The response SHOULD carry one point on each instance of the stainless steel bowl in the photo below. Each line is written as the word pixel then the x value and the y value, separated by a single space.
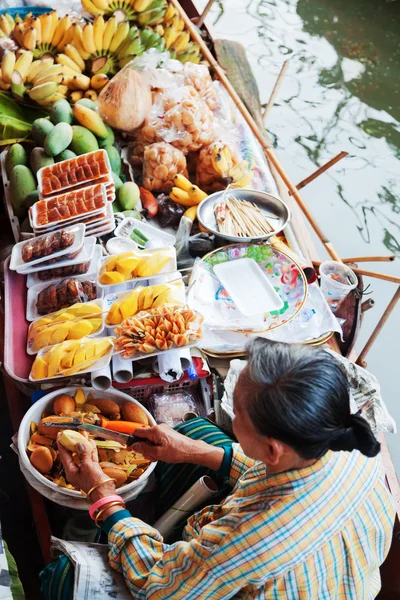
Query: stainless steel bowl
pixel 276 211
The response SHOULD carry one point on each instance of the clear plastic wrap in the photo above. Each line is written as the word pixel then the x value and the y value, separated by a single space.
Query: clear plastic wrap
pixel 171 408
pixel 161 162
pixel 218 166
pixel 198 76
pixel 158 330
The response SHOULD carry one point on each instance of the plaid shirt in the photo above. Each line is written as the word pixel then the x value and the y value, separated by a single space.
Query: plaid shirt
pixel 312 534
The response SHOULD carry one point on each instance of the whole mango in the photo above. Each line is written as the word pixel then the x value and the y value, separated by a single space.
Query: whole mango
pixel 16 155
pixel 22 183
pixel 58 139
pixel 61 112
pixel 83 140
pixel 40 129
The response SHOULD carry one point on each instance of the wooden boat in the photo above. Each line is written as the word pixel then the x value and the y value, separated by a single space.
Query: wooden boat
pixel 19 402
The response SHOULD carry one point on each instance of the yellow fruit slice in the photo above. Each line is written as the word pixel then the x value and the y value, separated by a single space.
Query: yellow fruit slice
pixel 39 369
pixel 80 356
pixel 43 338
pixel 80 329
pixel 152 264
pixel 60 333
pixel 102 346
pixel 129 307
pixel 164 298
pixel 126 266
pixel 55 360
pixel 111 263
pixel 89 352
pixel 111 278
pixel 87 309
pixel 95 323
pixel 80 397
pixel 64 316
pixel 148 298
pixel 114 316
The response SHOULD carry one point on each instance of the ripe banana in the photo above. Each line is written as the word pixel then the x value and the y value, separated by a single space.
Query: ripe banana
pixel 37 66
pixel 66 38
pixel 19 34
pixel 170 36
pixel 63 59
pixel 53 25
pixel 62 26
pixel 30 38
pixel 141 5
pixel 46 22
pixel 73 53
pixel 5 25
pixel 46 71
pixel 101 4
pixel 75 96
pixel 151 17
pixel 7 66
pixel 81 82
pixel 180 195
pixel 23 63
pixel 90 119
pixel 79 44
pixel 91 8
pixel 88 39
pixel 181 42
pixel 56 77
pixel 51 99
pixel 91 94
pixel 183 183
pixel 119 36
pixel 110 29
pixel 170 13
pixel 43 91
pixel 221 159
pixel 10 20
pixel 197 195
pixel 98 81
pixel 98 32
pixel 36 24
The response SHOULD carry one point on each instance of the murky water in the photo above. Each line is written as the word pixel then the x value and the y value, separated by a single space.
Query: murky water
pixel 341 92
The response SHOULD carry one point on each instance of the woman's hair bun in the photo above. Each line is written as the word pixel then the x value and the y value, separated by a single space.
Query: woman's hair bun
pixel 356 434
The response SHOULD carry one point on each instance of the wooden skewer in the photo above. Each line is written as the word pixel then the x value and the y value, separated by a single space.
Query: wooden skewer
pixel 275 91
pixel 321 170
pixel 374 274
pixel 389 309
pixel 358 259
pixel 204 14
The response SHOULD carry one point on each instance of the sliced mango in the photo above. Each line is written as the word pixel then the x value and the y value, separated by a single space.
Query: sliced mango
pixel 39 369
pixel 111 278
pixel 90 351
pixel 68 359
pixel 87 309
pixel 148 298
pixel 114 316
pixel 55 360
pixel 80 329
pixel 95 323
pixel 60 333
pixel 127 266
pixel 152 264
pixel 164 298
pixel 43 338
pixel 80 397
pixel 102 346
pixel 64 316
pixel 111 263
pixel 80 356
pixel 129 306
pixel 159 289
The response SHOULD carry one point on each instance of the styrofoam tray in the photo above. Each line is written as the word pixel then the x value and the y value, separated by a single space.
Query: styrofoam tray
pixel 34 291
pixel 170 267
pixel 97 302
pixel 85 255
pixel 104 230
pixel 248 287
pixel 81 184
pixel 94 265
pixel 126 227
pixel 61 222
pixel 108 215
pixel 19 265
pixel 101 363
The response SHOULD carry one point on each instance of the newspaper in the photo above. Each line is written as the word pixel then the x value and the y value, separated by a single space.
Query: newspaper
pixel 94 578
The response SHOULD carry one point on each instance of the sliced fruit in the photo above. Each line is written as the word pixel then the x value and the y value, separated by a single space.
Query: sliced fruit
pixel 129 307
pixel 111 278
pixel 127 266
pixel 80 329
pixel 39 369
pixel 54 360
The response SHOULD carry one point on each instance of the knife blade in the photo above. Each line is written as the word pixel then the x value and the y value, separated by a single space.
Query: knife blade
pixel 106 434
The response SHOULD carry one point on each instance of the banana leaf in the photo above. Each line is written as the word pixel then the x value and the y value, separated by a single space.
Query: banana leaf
pixel 16 119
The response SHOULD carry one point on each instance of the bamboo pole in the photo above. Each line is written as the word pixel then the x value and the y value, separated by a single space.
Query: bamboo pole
pixel 251 123
pixel 374 274
pixel 389 309
pixel 321 170
pixel 274 92
pixel 204 14
pixel 358 259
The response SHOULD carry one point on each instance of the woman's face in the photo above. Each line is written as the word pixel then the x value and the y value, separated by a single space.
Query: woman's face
pixel 252 442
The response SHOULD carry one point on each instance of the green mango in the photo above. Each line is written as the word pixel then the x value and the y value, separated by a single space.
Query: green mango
pixel 115 159
pixel 117 181
pixel 64 155
pixel 58 139
pixel 40 129
pixel 116 207
pixel 88 103
pixel 128 195
pixel 16 155
pixel 61 112
pixel 83 140
pixel 109 140
pixel 31 198
pixel 39 159
pixel 22 183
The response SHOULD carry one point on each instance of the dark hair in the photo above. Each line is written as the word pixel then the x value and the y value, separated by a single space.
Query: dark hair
pixel 300 396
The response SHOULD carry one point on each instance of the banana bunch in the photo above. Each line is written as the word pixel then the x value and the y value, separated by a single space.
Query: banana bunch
pixel 40 80
pixel 145 12
pixel 177 41
pixel 185 193
pixel 7 24
pixel 45 34
pixel 218 167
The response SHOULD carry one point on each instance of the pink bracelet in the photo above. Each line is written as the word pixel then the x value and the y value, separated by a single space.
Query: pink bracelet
pixel 102 502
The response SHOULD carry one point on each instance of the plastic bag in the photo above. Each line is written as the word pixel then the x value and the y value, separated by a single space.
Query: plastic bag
pixel 171 408
pixel 161 162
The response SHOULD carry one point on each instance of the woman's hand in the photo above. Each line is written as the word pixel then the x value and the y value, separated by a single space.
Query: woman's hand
pixel 164 443
pixel 87 473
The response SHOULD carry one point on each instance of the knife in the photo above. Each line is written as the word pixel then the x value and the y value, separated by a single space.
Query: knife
pixel 106 434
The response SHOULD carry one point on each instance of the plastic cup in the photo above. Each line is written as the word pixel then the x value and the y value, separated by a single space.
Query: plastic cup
pixel 336 281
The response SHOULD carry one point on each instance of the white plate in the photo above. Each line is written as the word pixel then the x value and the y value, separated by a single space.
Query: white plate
pixel 19 265
pixel 170 267
pixel 248 287
pixel 101 363
pixel 81 184
pixel 119 245
pixel 94 265
pixel 60 223
pixel 126 227
pixel 34 291
pixel 85 255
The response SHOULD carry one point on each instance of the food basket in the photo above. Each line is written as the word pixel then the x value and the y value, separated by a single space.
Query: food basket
pixel 50 490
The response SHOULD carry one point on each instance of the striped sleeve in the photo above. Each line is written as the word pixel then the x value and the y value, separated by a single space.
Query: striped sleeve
pixel 239 465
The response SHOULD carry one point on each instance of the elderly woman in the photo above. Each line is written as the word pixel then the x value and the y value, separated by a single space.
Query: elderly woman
pixel 309 515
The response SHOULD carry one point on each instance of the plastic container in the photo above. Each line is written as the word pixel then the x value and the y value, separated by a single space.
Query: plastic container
pixel 126 227
pixel 65 496
pixel 85 254
pixel 336 281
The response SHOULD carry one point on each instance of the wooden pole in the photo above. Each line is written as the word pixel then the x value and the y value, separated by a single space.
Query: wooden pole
pixel 358 259
pixel 251 123
pixel 275 91
pixel 389 309
pixel 374 274
pixel 321 170
pixel 204 14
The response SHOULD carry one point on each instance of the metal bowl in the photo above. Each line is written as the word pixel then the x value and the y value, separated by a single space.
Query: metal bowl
pixel 276 211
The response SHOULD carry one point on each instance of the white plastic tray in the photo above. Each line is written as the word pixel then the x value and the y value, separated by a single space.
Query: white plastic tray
pixel 126 227
pixel 61 222
pixel 81 184
pixel 85 255
pixel 34 291
pixel 104 231
pixel 91 273
pixel 101 363
pixel 22 267
pixel 248 286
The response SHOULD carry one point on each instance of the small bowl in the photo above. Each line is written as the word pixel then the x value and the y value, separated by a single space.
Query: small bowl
pixel 277 212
